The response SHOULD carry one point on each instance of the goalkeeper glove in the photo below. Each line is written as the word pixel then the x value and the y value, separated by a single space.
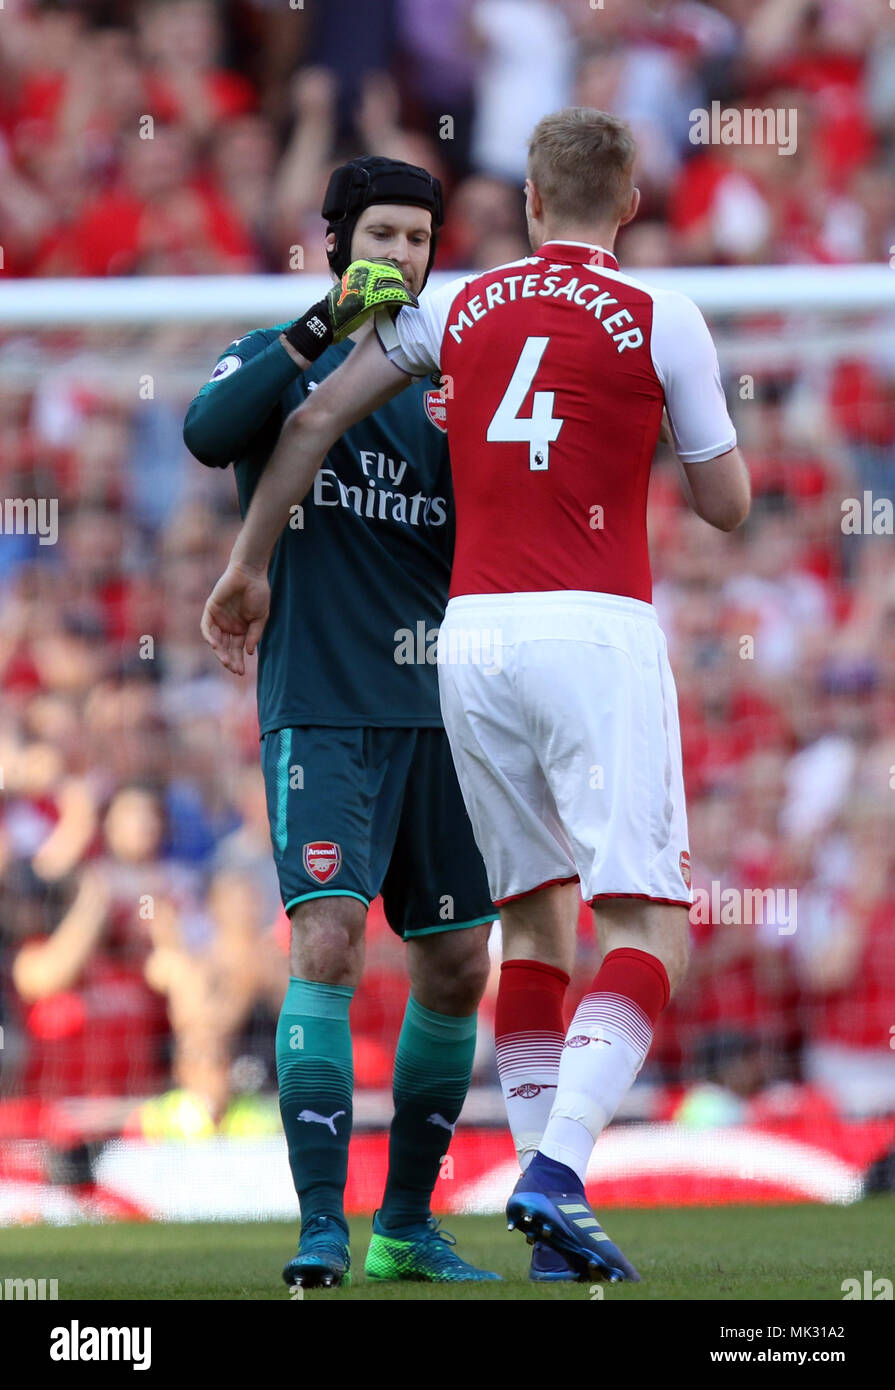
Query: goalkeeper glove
pixel 365 287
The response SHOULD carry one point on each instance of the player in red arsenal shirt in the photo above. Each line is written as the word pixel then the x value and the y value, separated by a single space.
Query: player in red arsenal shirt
pixel 555 686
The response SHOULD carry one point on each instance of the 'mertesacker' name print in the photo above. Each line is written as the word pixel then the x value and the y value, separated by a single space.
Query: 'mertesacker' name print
pixel 537 285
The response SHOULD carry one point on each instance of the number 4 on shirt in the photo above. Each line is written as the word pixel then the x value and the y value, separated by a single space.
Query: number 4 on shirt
pixel 539 429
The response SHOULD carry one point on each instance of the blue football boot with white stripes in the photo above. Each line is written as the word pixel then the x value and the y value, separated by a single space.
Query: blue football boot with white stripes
pixel 548 1204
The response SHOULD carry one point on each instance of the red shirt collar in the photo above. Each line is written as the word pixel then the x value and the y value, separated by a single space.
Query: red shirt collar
pixel 576 253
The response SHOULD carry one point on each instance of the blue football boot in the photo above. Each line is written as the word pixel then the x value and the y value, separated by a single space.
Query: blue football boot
pixel 323 1261
pixel 548 1204
pixel 549 1267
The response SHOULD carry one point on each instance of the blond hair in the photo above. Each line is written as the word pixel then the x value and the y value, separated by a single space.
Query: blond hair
pixel 581 160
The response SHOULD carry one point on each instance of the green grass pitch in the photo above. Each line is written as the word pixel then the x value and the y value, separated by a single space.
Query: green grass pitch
pixel 756 1253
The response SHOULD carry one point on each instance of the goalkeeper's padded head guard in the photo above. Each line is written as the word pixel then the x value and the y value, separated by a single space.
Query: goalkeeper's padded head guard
pixel 373 179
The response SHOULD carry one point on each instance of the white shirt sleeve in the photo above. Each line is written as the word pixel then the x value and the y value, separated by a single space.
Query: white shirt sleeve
pixel 413 338
pixel 686 363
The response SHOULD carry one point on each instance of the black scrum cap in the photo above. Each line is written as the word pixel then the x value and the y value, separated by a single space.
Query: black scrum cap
pixel 373 179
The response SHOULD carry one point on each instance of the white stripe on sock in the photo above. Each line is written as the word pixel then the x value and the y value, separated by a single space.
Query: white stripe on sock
pixel 605 1047
pixel 619 1016
pixel 528 1062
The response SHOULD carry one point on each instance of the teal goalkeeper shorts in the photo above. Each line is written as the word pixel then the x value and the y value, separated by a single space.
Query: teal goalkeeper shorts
pixel 357 812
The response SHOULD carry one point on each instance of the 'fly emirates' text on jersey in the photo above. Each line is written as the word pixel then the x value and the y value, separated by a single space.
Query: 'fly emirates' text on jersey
pixel 556 371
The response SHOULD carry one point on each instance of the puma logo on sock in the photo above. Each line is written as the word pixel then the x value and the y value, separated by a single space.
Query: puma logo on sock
pixel 441 1122
pixel 312 1118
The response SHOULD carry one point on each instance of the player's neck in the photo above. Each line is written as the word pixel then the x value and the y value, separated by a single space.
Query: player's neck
pixel 588 236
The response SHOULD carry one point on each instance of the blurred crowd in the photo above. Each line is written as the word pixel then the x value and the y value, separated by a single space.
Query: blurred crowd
pixel 185 136
pixel 142 942
pixel 141 936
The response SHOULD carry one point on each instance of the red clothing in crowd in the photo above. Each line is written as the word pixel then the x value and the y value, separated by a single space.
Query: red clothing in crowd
pixel 861 1012
pixel 116 230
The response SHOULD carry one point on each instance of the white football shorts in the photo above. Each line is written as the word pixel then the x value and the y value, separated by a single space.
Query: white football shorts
pixel 561 712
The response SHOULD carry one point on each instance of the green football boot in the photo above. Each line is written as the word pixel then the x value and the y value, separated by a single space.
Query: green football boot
pixel 323 1261
pixel 423 1254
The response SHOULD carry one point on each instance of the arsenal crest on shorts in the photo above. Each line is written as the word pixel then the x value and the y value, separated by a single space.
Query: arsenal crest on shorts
pixel 436 409
pixel 685 866
pixel 323 859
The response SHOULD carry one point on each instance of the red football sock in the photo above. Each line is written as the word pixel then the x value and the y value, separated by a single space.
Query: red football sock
pixel 636 975
pixel 607 1044
pixel 529 1033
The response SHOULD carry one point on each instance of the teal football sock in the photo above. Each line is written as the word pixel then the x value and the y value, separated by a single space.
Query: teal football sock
pixel 316 1082
pixel 433 1067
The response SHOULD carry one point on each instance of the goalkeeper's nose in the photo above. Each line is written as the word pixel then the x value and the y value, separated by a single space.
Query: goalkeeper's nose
pixel 400 255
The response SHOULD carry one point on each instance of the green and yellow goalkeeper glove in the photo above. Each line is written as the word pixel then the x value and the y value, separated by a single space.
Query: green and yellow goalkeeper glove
pixel 365 287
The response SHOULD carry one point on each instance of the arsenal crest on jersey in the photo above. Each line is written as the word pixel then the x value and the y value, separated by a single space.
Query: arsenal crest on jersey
pixel 323 859
pixel 685 867
pixel 436 409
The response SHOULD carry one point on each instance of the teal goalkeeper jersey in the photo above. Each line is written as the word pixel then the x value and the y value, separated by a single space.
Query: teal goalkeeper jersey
pixel 359 580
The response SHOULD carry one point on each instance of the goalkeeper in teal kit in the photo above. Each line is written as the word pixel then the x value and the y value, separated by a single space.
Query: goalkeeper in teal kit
pixel 361 790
